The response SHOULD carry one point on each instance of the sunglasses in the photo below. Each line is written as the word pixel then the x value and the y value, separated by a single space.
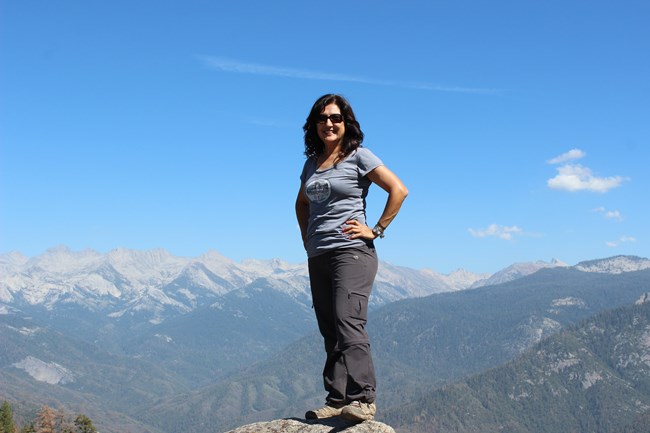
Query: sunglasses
pixel 335 118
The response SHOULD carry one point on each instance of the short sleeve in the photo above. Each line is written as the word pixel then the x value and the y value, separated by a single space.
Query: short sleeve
pixel 305 169
pixel 367 161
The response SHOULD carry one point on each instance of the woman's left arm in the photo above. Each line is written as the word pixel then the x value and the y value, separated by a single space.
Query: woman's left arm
pixel 397 192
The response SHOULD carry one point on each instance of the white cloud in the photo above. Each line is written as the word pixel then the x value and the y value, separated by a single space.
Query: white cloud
pixel 621 240
pixel 575 177
pixel 609 214
pixel 501 232
pixel 568 156
pixel 236 66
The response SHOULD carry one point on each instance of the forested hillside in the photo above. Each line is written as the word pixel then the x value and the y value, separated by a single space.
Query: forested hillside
pixel 594 377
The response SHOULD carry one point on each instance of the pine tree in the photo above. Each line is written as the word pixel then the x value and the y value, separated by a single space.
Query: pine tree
pixel 7 419
pixel 62 422
pixel 84 424
pixel 45 420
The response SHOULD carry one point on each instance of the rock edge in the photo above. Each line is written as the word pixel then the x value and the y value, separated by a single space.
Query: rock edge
pixel 329 425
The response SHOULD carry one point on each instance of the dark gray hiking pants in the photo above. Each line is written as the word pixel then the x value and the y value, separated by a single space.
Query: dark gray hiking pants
pixel 341 282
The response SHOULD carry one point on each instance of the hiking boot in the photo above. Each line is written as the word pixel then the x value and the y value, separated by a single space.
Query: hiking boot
pixel 359 411
pixel 328 411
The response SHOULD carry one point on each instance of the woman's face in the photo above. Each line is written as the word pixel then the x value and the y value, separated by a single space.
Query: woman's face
pixel 329 131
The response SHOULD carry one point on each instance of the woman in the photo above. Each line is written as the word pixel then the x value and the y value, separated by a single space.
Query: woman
pixel 331 212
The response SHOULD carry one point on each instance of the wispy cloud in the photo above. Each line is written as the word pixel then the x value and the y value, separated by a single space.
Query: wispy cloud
pixel 495 230
pixel 235 66
pixel 609 214
pixel 576 177
pixel 622 239
pixel 568 156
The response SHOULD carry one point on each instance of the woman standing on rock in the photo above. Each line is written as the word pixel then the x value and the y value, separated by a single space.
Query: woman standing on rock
pixel 331 212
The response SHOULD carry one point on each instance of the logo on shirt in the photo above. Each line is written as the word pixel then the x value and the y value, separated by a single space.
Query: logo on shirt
pixel 318 191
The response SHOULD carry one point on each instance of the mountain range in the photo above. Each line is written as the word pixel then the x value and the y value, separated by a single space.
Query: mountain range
pixel 181 312
pixel 151 342
pixel 418 345
pixel 155 284
pixel 593 376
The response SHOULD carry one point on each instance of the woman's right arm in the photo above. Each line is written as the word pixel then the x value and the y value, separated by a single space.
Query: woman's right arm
pixel 302 213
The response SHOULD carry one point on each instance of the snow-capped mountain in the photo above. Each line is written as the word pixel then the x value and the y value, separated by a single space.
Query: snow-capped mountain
pixel 159 284
pixel 11 262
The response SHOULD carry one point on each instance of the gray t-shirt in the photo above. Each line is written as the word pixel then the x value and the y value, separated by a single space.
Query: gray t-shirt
pixel 336 195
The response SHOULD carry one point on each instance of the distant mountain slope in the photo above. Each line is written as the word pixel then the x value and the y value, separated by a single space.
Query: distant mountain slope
pixel 44 367
pixel 591 377
pixel 610 265
pixel 458 333
pixel 515 271
pixel 418 345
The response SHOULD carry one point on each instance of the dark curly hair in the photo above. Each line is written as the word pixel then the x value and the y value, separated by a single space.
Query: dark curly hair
pixel 353 135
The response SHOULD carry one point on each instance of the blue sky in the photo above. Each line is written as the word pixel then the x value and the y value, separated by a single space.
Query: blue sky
pixel 521 128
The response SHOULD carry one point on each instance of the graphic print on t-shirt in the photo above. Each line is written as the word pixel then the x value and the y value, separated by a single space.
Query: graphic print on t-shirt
pixel 318 191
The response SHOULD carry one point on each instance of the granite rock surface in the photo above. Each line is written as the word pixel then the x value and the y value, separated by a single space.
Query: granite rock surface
pixel 330 425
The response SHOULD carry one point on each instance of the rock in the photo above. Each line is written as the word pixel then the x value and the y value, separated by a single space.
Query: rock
pixel 329 425
pixel 643 299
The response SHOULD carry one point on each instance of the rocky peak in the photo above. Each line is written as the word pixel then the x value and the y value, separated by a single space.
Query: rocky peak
pixel 295 425
pixel 462 279
pixel 614 265
pixel 516 271
pixel 643 299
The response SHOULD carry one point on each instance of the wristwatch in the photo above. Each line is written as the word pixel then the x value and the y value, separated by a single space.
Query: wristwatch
pixel 378 231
